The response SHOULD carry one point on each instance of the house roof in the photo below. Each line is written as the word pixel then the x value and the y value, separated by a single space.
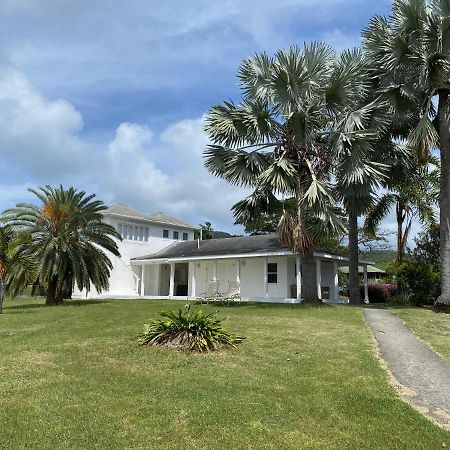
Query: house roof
pixel 124 211
pixel 218 247
pixel 370 269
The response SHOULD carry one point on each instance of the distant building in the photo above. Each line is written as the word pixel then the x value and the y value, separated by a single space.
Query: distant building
pixel 373 273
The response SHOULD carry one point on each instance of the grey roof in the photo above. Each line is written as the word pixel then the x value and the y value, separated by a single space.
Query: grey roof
pixel 121 210
pixel 370 269
pixel 215 247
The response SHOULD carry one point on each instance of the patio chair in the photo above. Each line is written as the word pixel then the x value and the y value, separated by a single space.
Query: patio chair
pixel 212 292
pixel 233 292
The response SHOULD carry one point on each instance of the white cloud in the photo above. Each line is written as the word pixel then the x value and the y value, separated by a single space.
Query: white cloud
pixel 40 144
pixel 36 135
pixel 340 40
pixel 166 173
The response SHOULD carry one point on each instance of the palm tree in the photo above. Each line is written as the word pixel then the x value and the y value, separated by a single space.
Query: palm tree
pixel 67 239
pixel 411 52
pixel 301 123
pixel 6 239
pixel 12 262
pixel 413 196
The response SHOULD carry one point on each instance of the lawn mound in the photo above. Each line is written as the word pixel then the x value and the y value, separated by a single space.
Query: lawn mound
pixel 188 330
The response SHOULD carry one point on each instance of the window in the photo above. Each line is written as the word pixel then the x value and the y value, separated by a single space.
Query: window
pixel 165 233
pixel 176 235
pixel 133 233
pixel 272 273
pixel 185 236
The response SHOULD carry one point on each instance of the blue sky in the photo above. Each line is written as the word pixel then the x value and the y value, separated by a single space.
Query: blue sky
pixel 109 95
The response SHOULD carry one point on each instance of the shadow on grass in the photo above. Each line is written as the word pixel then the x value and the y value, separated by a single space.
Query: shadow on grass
pixel 67 303
pixel 264 305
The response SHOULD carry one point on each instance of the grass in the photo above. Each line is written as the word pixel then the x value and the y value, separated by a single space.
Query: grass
pixel 429 326
pixel 74 377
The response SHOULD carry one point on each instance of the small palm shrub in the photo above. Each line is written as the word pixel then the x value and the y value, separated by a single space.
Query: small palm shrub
pixel 189 330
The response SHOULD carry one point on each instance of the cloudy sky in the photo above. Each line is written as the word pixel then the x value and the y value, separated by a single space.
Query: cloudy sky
pixel 108 95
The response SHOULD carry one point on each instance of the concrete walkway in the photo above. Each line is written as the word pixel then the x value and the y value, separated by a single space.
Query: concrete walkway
pixel 423 375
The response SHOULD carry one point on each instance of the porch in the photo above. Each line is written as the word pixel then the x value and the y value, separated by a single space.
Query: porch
pixel 280 278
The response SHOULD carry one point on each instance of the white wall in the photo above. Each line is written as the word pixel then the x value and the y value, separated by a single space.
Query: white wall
pixel 122 282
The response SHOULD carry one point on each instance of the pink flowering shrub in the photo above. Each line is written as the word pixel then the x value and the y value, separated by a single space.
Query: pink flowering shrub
pixel 389 288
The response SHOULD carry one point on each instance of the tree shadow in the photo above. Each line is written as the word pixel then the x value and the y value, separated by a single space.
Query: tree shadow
pixel 67 303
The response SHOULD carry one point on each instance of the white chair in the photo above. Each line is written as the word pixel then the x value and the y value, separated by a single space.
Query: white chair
pixel 233 292
pixel 212 292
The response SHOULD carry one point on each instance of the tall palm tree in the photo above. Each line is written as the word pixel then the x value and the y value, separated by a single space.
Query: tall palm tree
pixel 415 195
pixel 411 52
pixel 67 238
pixel 301 123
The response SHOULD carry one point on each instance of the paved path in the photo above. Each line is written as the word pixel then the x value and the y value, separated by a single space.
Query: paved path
pixel 424 376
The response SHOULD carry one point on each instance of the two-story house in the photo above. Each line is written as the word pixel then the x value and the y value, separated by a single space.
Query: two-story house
pixel 160 259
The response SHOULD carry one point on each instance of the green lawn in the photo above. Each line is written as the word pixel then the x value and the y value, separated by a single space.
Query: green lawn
pixel 429 326
pixel 73 377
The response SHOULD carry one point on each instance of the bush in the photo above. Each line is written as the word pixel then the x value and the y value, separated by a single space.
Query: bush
pixel 192 331
pixel 379 293
pixel 421 281
pixel 401 298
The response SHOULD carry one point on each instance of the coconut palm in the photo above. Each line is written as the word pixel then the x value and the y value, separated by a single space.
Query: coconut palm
pixel 68 240
pixel 411 52
pixel 415 195
pixel 301 123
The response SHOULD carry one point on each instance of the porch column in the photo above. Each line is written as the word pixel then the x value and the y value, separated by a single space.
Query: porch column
pixel 298 277
pixel 215 270
pixel 336 281
pixel 366 285
pixel 193 274
pixel 238 275
pixel 172 279
pixel 319 278
pixel 143 280
pixel 266 284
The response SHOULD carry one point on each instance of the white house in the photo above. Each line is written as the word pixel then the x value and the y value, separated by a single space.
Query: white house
pixel 161 260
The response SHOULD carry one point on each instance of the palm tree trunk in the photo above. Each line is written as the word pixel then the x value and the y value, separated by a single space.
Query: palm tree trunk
pixel 54 296
pixel 2 295
pixel 443 302
pixel 400 247
pixel 353 269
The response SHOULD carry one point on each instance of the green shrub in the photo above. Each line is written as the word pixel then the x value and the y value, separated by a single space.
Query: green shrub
pixel 401 298
pixel 421 281
pixel 189 330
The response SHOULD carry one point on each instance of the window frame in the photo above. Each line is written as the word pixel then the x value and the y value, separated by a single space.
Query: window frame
pixel 272 273
pixel 185 236
pixel 177 234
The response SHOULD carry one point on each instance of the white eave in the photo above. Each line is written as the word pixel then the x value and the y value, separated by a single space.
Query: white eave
pixel 325 255
pixel 321 255
pixel 159 222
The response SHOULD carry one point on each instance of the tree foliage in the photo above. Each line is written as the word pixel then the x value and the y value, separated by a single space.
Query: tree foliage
pixel 65 241
pixel 303 122
pixel 410 55
pixel 413 194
